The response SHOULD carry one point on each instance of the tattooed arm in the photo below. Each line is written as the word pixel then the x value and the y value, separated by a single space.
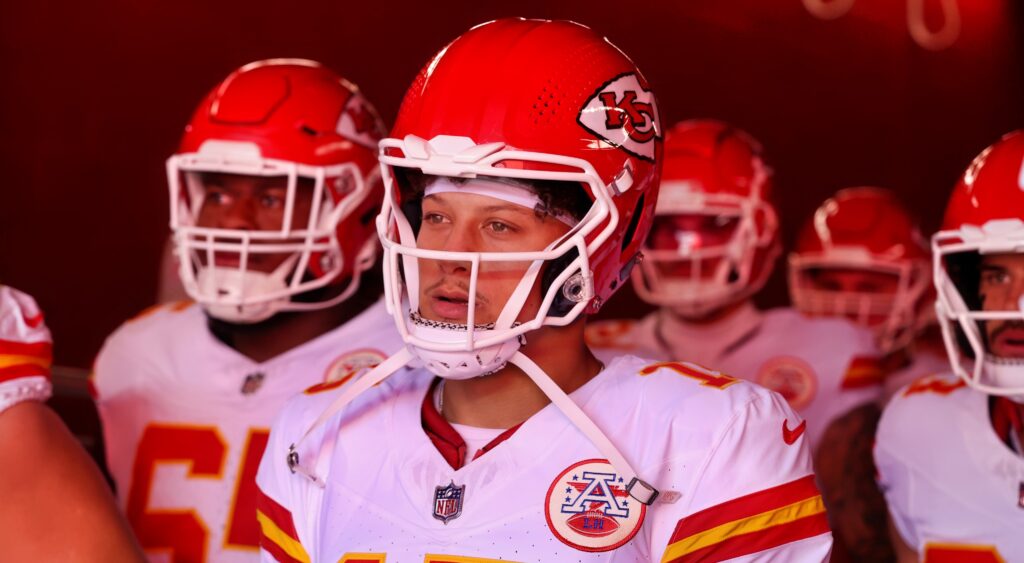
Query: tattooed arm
pixel 846 473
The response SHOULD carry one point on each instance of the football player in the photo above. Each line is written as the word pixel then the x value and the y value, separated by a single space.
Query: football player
pixel 273 193
pixel 520 182
pixel 862 256
pixel 949 447
pixel 712 247
pixel 55 506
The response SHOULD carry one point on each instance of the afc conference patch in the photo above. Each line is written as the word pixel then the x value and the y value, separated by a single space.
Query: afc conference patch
pixel 448 501
pixel 588 508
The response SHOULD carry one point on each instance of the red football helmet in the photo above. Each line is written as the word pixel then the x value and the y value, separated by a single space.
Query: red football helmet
pixel 715 234
pixel 864 233
pixel 984 221
pixel 530 100
pixel 301 123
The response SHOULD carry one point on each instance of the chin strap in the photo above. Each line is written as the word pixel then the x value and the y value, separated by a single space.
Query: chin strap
pixel 637 488
pixel 348 394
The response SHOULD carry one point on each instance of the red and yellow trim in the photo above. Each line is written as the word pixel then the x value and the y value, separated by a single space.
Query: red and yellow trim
pixel 863 371
pixel 24 359
pixel 934 384
pixel 363 558
pixel 279 537
pixel 749 524
pixel 438 558
pixel 961 553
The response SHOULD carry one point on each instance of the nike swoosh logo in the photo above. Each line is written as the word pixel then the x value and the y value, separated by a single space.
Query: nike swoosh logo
pixel 790 436
pixel 34 321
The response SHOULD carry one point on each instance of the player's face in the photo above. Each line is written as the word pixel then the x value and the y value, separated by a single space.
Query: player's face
pixel 687 235
pixel 251 203
pixel 463 222
pixel 1000 288
pixel 856 281
pixel 852 280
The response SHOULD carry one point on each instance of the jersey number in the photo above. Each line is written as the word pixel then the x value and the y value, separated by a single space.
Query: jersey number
pixel 181 532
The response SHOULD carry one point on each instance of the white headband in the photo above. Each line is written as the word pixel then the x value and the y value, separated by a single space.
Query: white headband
pixel 517 195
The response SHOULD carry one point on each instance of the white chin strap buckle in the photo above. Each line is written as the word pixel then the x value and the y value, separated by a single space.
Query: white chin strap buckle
pixel 646 495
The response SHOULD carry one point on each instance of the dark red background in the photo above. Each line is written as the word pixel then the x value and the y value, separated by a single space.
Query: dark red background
pixel 95 95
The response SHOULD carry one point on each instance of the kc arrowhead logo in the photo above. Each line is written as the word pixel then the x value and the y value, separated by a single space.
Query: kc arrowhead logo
pixel 625 114
pixel 359 123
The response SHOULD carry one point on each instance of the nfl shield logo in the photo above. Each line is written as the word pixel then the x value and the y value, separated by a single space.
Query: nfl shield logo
pixel 252 383
pixel 448 502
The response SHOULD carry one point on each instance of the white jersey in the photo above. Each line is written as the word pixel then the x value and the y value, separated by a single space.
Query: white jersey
pixel 955 491
pixel 186 419
pixel 26 351
pixel 728 457
pixel 824 367
pixel 923 364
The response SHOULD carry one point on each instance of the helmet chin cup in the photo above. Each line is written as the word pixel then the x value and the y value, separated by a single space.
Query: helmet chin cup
pixel 1004 374
pixel 458 364
pixel 224 293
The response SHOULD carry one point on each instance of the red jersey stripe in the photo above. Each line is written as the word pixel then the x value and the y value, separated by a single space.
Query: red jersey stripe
pixel 742 507
pixel 767 538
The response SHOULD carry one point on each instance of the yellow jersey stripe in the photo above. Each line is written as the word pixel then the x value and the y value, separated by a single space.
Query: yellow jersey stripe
pixel 755 523
pixel 275 534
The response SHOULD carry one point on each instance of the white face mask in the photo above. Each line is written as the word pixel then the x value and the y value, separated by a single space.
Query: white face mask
pixel 228 292
pixel 480 169
pixel 238 293
pixel 718 274
pixel 894 317
pixel 992 375
pixel 441 357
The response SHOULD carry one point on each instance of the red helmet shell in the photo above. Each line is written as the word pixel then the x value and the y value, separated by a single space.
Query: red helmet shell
pixel 293 110
pixel 992 187
pixel 552 87
pixel 868 218
pixel 713 157
pixel 301 112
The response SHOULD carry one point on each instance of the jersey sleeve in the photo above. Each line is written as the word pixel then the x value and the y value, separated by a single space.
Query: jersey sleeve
pixel 26 350
pixel 895 475
pixel 113 368
pixel 287 502
pixel 755 497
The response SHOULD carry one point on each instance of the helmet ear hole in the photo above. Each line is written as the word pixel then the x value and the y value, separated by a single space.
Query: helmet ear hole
pixel 634 222
pixel 562 303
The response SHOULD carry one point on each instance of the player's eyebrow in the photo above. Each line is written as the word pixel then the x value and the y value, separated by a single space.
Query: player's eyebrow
pixel 508 207
pixel 437 199
pixel 442 200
